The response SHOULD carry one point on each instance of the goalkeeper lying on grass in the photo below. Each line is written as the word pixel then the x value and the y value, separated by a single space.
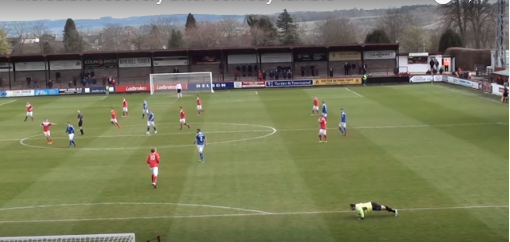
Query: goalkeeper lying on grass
pixel 364 208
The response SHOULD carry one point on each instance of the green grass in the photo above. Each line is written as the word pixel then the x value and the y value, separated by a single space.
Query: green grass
pixel 438 153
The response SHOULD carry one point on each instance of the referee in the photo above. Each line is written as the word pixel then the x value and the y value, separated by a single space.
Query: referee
pixel 179 90
pixel 80 121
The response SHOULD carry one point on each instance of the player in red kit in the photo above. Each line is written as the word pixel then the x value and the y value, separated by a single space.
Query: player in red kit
pixel 199 106
pixel 315 108
pixel 29 112
pixel 46 130
pixel 125 112
pixel 153 161
pixel 114 119
pixel 182 120
pixel 323 128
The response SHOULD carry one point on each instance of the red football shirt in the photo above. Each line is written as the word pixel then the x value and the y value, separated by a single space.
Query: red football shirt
pixel 182 114
pixel 153 160
pixel 46 126
pixel 124 104
pixel 198 101
pixel 114 115
pixel 322 122
pixel 29 108
pixel 315 102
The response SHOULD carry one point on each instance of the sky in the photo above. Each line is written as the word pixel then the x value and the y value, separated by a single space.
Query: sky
pixel 23 10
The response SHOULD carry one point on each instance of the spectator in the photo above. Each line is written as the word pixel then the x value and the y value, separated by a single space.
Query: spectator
pixel 259 76
pixel 94 81
pixel 264 75
pixel 271 74
pixel 313 70
pixel 243 70
pixel 277 75
pixel 104 79
pixel 364 69
pixel 432 63
pixel 255 68
pixel 236 74
pixel 50 84
pixel 441 70
pixel 284 73
pixel 250 70
pixel 353 67
pixel 302 71
pixel 331 72
pixel 436 64
pixel 75 80
pixel 346 68
pixel 35 81
pixel 446 64
pixel 29 81
pixel 1 81
pixel 289 74
pixel 84 81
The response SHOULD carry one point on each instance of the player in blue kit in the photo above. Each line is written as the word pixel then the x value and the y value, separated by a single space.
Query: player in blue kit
pixel 145 109
pixel 201 142
pixel 70 132
pixel 150 123
pixel 324 110
pixel 343 122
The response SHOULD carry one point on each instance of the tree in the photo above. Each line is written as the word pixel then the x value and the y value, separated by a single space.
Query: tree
pixel 114 38
pixel 414 39
pixel 287 29
pixel 190 22
pixel 22 31
pixel 262 30
pixel 233 32
pixel 176 40
pixel 204 35
pixel 333 32
pixel 448 39
pixel 73 42
pixel 394 22
pixel 5 46
pixel 42 32
pixel 377 36
pixel 47 48
pixel 468 16
pixel 153 39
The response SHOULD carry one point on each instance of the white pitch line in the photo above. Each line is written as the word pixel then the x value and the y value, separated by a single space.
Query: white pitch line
pixel 238 215
pixel 467 93
pixel 103 98
pixel 5 103
pixel 280 130
pixel 355 93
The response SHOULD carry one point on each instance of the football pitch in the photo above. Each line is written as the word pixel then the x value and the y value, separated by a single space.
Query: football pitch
pixel 437 153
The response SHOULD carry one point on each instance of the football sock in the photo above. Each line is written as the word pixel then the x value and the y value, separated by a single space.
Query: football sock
pixel 148 129
pixel 325 137
pixel 143 115
pixel 81 131
pixel 155 179
pixel 26 118
pixel 389 209
pixel 320 137
pixel 201 156
pixel 155 129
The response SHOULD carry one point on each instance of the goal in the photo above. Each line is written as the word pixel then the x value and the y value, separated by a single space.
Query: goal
pixel 190 82
pixel 74 238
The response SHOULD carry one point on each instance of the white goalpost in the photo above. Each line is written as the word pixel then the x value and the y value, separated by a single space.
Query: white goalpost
pixel 129 237
pixel 190 82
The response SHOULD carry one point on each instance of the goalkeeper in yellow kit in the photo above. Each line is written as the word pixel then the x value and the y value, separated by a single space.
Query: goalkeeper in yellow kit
pixel 364 208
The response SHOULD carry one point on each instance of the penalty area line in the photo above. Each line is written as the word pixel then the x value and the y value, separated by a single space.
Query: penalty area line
pixel 239 215
pixel 355 93
pixel 5 103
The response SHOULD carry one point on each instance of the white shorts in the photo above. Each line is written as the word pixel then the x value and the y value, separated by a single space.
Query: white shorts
pixel 343 125
pixel 47 133
pixel 200 148
pixel 124 109
pixel 324 114
pixel 199 107
pixel 30 114
pixel 322 132
pixel 315 108
pixel 182 120
pixel 150 123
pixel 145 111
pixel 154 171
pixel 114 120
pixel 71 137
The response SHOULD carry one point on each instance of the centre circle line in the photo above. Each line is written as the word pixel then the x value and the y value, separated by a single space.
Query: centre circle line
pixel 270 129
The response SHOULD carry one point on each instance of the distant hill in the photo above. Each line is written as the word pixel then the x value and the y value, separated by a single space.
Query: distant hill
pixel 56 26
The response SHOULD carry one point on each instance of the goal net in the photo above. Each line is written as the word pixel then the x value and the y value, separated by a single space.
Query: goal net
pixel 190 82
pixel 74 238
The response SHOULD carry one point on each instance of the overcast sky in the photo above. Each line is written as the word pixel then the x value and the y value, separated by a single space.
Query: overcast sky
pixel 19 10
